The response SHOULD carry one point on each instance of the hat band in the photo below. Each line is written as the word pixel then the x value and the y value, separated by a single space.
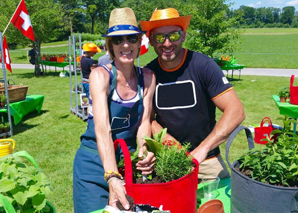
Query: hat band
pixel 122 27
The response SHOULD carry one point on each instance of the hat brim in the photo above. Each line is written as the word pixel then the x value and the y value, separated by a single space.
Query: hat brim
pixel 123 33
pixel 182 21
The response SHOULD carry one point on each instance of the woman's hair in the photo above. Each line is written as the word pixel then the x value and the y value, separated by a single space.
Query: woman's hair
pixel 110 48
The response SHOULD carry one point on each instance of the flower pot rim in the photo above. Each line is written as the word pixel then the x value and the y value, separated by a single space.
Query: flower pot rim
pixel 258 182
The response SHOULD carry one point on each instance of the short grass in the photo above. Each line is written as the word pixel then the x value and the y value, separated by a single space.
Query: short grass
pixel 260 47
pixel 53 136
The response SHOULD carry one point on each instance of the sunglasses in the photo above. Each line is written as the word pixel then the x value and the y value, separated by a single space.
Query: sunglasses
pixel 130 38
pixel 173 36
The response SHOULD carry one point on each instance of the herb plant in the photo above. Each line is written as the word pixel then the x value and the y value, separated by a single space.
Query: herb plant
pixel 284 92
pixel 277 163
pixel 172 159
pixel 173 162
pixel 26 187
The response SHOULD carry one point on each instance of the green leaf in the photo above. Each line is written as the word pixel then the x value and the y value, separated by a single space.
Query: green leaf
pixel 293 166
pixel 6 185
pixel 20 198
pixel 39 201
pixel 153 146
pixel 282 165
pixel 33 190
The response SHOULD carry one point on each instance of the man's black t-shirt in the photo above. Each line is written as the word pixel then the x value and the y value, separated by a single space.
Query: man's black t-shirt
pixel 183 99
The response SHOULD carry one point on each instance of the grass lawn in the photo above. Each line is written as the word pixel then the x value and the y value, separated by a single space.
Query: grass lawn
pixel 53 136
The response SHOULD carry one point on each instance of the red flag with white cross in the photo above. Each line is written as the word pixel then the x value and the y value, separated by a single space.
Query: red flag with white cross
pixel 144 45
pixel 21 20
pixel 6 55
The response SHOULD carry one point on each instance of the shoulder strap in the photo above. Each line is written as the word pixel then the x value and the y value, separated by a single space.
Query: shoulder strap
pixel 110 73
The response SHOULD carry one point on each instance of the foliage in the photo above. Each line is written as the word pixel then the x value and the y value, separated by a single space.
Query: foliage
pixel 88 36
pixel 265 16
pixel 210 29
pixel 284 92
pixel 3 98
pixel 25 186
pixel 172 160
pixel 277 164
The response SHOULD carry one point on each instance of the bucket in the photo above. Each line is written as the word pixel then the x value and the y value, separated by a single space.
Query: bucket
pixel 212 206
pixel 6 147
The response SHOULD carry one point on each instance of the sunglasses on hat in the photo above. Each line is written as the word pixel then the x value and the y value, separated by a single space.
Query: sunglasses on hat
pixel 130 38
pixel 173 36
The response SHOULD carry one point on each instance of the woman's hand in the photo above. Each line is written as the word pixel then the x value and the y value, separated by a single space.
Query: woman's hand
pixel 117 192
pixel 147 161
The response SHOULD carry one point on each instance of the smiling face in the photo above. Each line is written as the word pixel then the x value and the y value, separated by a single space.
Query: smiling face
pixel 169 52
pixel 125 48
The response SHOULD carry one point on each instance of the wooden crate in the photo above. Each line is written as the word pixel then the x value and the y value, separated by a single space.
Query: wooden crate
pixel 15 93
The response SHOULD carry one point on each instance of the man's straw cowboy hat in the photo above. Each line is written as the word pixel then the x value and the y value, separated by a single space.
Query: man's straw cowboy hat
pixel 123 22
pixel 91 47
pixel 165 17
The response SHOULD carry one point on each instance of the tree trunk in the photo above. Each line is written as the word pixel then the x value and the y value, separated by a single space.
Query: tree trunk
pixel 36 46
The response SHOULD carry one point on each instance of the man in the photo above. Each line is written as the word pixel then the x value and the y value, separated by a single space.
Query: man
pixel 189 87
pixel 105 59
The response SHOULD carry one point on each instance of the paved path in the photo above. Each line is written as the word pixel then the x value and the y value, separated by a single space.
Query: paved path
pixel 245 71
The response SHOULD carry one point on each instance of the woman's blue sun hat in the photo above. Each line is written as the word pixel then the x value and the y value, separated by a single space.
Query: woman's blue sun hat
pixel 123 22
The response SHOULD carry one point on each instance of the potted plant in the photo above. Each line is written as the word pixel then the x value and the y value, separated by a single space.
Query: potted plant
pixel 1 127
pixel 266 180
pixel 2 100
pixel 175 174
pixel 24 186
pixel 5 127
pixel 284 93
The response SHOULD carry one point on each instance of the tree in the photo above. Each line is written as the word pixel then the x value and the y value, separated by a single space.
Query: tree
pixel 73 15
pixel 287 15
pixel 46 19
pixel 210 29
pixel 99 9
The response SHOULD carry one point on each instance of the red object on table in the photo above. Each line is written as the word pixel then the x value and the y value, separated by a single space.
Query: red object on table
pixel 293 92
pixel 263 132
pixel 177 195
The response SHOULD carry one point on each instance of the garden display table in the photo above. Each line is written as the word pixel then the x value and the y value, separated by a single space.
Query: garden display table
pixel 287 109
pixel 233 67
pixel 19 109
pixel 224 195
pixel 56 64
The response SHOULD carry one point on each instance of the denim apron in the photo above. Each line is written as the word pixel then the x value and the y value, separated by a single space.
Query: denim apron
pixel 90 190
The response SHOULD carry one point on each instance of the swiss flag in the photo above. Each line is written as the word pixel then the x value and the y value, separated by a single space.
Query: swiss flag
pixel 6 55
pixel 144 45
pixel 21 20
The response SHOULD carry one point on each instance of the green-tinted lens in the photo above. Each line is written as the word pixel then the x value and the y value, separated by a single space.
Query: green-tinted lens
pixel 174 36
pixel 159 38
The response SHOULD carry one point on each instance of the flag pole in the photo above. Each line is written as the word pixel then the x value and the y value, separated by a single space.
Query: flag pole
pixel 11 18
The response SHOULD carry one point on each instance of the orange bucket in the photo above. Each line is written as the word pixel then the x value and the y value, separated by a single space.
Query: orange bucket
pixel 6 147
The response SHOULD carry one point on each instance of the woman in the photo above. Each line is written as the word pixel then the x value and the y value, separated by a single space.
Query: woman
pixel 121 107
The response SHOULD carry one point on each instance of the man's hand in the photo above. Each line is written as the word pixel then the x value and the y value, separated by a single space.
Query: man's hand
pixel 147 161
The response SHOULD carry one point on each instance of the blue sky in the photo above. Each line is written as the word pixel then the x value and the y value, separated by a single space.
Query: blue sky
pixel 265 3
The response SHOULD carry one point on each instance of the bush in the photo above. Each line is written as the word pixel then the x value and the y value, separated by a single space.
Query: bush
pixel 88 36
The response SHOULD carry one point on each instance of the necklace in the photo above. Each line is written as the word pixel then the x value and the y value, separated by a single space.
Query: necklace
pixel 131 77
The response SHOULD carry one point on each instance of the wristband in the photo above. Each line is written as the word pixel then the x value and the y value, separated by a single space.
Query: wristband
pixel 116 178
pixel 109 173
